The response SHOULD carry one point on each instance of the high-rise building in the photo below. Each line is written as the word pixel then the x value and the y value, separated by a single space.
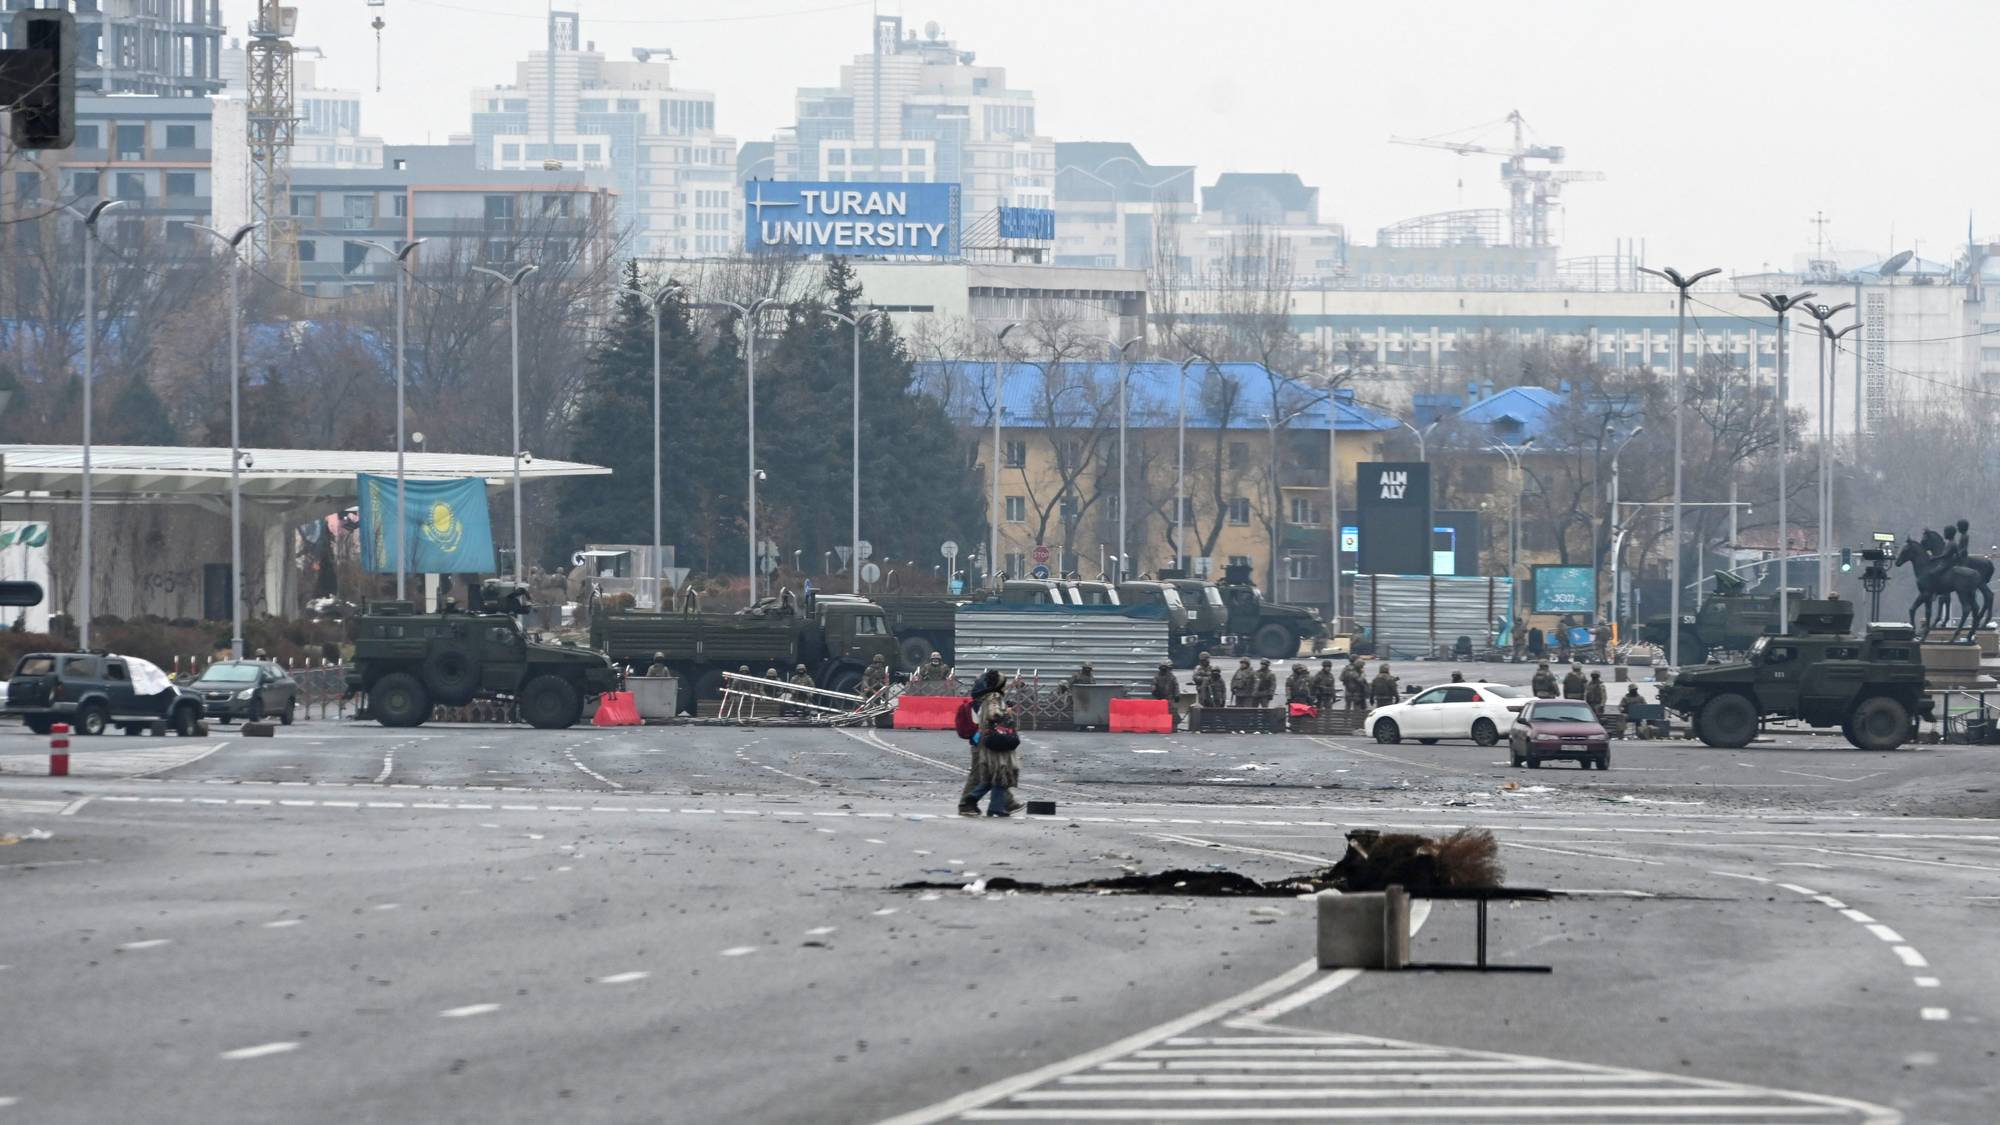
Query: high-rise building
pixel 571 107
pixel 329 133
pixel 1113 208
pixel 1250 220
pixel 156 47
pixel 920 111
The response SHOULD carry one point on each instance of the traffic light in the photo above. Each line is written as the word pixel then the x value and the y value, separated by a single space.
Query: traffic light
pixel 38 78
pixel 1846 559
pixel 20 593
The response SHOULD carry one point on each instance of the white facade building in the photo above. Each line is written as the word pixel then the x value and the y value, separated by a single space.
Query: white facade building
pixel 329 133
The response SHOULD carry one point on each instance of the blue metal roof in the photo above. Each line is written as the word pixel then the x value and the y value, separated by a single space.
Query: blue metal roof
pixel 1154 398
pixel 1529 406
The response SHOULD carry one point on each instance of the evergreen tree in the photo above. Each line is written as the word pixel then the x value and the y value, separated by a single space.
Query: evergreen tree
pixel 136 417
pixel 613 428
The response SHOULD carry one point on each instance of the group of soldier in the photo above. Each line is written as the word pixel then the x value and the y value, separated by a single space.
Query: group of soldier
pixel 1258 687
pixel 1574 686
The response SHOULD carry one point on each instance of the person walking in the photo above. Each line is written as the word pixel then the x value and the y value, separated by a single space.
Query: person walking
pixel 1243 685
pixel 1574 683
pixel 1544 683
pixel 1266 685
pixel 1166 687
pixel 995 769
pixel 1325 687
pixel 1593 694
pixel 1385 690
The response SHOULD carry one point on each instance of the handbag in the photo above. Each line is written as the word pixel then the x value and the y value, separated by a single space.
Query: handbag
pixel 1001 740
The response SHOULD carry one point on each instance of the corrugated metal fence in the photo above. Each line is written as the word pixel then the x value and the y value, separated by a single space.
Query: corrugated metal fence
pixel 1123 644
pixel 1414 615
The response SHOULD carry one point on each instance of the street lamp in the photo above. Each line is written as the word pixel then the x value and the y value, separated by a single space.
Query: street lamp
pixel 1180 466
pixel 1683 284
pixel 402 259
pixel 1833 362
pixel 860 317
pixel 1613 537
pixel 1823 406
pixel 513 283
pixel 1421 434
pixel 234 241
pixel 1782 305
pixel 1512 454
pixel 658 302
pixel 89 219
pixel 1124 382
pixel 993 472
pixel 748 315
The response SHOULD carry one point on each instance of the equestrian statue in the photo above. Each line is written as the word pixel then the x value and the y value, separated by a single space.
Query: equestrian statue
pixel 1945 569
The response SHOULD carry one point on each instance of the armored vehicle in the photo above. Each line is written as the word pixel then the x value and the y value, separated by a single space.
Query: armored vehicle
pixel 1208 614
pixel 1871 687
pixel 835 636
pixel 922 624
pixel 1728 619
pixel 1183 642
pixel 1265 628
pixel 408 662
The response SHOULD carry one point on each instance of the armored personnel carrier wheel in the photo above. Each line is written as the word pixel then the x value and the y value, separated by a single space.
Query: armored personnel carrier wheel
pixel 451 674
pixel 550 702
pixel 1728 721
pixel 399 700
pixel 1879 723
pixel 914 651
pixel 1274 642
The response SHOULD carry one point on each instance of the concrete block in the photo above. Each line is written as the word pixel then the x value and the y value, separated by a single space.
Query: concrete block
pixel 1370 930
pixel 1041 808
pixel 259 730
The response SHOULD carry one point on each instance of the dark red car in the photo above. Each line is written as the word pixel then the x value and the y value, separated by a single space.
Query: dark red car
pixel 1550 729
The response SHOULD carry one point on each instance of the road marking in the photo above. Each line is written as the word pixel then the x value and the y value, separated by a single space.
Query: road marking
pixel 1935 1013
pixel 739 950
pixel 388 767
pixel 468 1010
pixel 1927 982
pixel 1740 875
pixel 624 978
pixel 149 943
pixel 386 804
pixel 588 771
pixel 821 931
pixel 1198 842
pixel 1911 957
pixel 283 922
pixel 1584 855
pixel 1884 932
pixel 1806 891
pixel 75 806
pixel 259 1051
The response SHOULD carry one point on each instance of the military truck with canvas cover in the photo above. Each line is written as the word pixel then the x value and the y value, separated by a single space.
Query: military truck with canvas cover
pixel 1870 687
pixel 834 636
pixel 409 662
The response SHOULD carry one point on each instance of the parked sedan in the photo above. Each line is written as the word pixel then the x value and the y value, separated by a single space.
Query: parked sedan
pixel 249 690
pixel 1478 711
pixel 1550 729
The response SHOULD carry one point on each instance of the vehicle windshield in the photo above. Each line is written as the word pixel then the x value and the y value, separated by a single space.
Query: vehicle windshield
pixel 36 666
pixel 1758 646
pixel 1172 597
pixel 1564 713
pixel 229 674
pixel 1211 595
pixel 869 625
pixel 1503 691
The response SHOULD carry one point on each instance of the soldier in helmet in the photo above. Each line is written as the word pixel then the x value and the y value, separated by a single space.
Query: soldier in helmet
pixel 1354 680
pixel 876 677
pixel 1384 690
pixel 1298 686
pixel 800 678
pixel 1574 685
pixel 1204 672
pixel 659 666
pixel 1243 685
pixel 1166 687
pixel 1084 675
pixel 1267 685
pixel 1544 684
pixel 1325 687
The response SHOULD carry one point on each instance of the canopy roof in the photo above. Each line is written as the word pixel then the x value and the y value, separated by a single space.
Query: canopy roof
pixel 273 474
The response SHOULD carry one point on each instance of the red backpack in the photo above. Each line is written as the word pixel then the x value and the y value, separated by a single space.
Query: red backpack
pixel 965 721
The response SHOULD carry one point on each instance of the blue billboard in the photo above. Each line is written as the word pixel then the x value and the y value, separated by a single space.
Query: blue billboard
pixel 1565 589
pixel 1037 224
pixel 789 217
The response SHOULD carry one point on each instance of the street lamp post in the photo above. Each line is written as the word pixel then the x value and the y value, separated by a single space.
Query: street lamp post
pixel 89 219
pixel 1612 537
pixel 1683 284
pixel 1823 406
pixel 1833 339
pixel 658 303
pixel 993 473
pixel 748 315
pixel 234 241
pixel 1421 435
pixel 1124 382
pixel 1782 305
pixel 1512 454
pixel 1180 470
pixel 513 283
pixel 402 258
pixel 860 317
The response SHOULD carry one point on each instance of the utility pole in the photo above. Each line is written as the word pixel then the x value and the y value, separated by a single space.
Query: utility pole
pixel 1823 313
pixel 1782 305
pixel 1673 277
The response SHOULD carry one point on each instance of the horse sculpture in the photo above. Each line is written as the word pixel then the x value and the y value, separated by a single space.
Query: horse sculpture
pixel 1959 547
pixel 1939 578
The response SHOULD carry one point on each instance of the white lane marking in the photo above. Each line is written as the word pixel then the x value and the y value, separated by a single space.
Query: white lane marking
pixel 739 950
pixel 468 1010
pixel 1740 875
pixel 283 922
pixel 185 762
pixel 1007 1087
pixel 340 804
pixel 1794 887
pixel 386 805
pixel 74 807
pixel 388 767
pixel 1198 842
pixel 1911 957
pixel 1829 900
pixel 624 978
pixel 1927 982
pixel 5 1102
pixel 260 1050
pixel 149 943
pixel 1583 855
pixel 590 772
pixel 1935 1013
pixel 821 931
pixel 1884 932
pixel 387 905
pixel 252 801
pixel 887 910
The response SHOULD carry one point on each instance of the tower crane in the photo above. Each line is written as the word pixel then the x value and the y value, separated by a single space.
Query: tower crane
pixel 273 121
pixel 1531 191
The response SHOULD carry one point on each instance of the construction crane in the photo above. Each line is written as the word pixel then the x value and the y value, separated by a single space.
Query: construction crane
pixel 1531 191
pixel 273 120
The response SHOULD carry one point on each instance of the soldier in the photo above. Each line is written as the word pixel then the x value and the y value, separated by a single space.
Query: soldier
pixel 1544 685
pixel 1166 687
pixel 1458 677
pixel 933 671
pixel 1266 685
pixel 1354 679
pixel 1084 675
pixel 1629 706
pixel 1203 693
pixel 1574 683
pixel 1384 690
pixel 1593 694
pixel 1325 687
pixel 801 678
pixel 1243 685
pixel 1298 686
pixel 876 677
pixel 659 666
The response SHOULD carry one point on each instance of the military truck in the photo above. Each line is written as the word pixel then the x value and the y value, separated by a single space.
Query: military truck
pixel 1729 619
pixel 834 636
pixel 1208 614
pixel 1183 643
pixel 922 624
pixel 409 662
pixel 1264 628
pixel 1871 687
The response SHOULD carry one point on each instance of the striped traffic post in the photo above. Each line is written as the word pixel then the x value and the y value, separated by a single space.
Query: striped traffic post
pixel 59 750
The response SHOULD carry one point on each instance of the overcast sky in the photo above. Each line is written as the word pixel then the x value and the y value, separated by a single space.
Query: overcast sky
pixel 1721 127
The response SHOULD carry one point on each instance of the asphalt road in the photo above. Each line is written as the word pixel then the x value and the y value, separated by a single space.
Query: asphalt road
pixel 706 923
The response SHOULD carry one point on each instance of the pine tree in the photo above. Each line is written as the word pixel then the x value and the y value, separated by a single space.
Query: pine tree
pixel 136 417
pixel 613 428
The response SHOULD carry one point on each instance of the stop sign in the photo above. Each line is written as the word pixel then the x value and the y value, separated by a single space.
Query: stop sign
pixel 1041 553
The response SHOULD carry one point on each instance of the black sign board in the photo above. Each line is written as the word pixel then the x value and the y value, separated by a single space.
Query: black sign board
pixel 1393 499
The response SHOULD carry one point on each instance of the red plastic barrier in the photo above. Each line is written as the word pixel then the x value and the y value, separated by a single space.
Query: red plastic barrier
pixel 59 750
pixel 1303 710
pixel 616 709
pixel 927 712
pixel 1142 716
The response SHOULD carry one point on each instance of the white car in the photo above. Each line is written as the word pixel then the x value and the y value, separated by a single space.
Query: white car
pixel 1479 711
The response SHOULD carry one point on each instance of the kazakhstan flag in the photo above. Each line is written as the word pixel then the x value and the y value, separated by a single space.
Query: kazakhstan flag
pixel 444 522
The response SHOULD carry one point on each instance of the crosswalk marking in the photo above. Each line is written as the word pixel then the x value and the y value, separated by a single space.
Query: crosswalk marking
pixel 113 763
